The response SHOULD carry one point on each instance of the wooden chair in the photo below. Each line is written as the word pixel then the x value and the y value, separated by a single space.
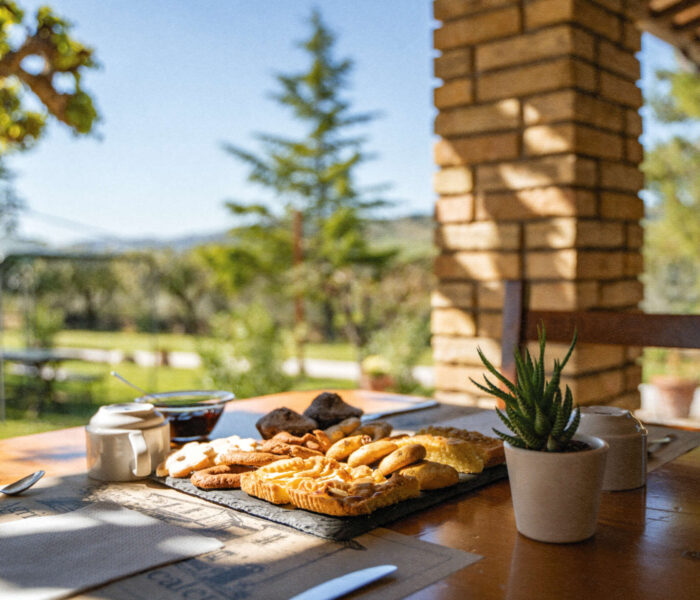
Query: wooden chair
pixel 593 326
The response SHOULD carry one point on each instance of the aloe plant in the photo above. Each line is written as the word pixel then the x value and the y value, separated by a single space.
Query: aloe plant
pixel 536 411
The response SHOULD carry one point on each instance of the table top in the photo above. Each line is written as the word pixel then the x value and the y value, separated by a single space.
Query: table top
pixel 647 544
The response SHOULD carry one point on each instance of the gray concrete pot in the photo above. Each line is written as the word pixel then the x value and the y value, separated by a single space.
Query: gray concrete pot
pixel 556 495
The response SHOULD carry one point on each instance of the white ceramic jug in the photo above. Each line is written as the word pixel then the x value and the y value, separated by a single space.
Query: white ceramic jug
pixel 126 442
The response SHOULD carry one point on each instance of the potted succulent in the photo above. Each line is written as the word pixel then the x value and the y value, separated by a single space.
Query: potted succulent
pixel 555 475
pixel 675 390
pixel 376 373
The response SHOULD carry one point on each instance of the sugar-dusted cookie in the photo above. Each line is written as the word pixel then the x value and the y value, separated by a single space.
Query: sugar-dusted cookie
pixel 191 457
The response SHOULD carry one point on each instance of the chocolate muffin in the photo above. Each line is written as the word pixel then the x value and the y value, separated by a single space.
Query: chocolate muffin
pixel 284 419
pixel 328 409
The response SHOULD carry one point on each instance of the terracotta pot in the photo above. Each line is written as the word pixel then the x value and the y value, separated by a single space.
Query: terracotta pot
pixel 674 395
pixel 377 383
pixel 556 495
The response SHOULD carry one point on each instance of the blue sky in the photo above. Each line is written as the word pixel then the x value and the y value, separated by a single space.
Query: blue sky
pixel 180 78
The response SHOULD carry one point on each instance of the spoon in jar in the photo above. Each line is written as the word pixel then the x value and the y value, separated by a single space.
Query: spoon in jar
pixel 133 385
pixel 22 484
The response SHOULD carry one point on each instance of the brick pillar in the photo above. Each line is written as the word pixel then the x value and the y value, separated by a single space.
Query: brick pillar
pixel 538 178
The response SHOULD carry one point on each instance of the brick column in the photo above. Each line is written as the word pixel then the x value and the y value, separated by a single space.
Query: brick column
pixel 538 178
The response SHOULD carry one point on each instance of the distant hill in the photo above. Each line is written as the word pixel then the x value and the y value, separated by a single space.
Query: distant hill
pixel 412 234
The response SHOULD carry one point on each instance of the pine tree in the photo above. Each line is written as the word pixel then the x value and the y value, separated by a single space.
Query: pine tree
pixel 317 222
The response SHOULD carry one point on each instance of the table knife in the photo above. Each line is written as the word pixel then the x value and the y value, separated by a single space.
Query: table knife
pixel 335 588
pixel 400 411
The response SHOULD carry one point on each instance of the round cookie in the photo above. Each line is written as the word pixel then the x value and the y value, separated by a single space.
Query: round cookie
pixel 346 446
pixel 221 477
pixel 249 459
pixel 404 456
pixel 431 475
pixel 372 452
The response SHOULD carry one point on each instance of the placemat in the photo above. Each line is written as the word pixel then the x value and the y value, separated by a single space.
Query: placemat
pixel 56 556
pixel 259 560
pixel 329 527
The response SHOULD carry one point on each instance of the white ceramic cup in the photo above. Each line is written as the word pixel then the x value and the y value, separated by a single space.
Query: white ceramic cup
pixel 126 442
pixel 626 467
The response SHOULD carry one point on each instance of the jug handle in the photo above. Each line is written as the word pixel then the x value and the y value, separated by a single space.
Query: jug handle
pixel 142 459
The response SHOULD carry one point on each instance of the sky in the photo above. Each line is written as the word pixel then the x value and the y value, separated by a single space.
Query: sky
pixel 179 79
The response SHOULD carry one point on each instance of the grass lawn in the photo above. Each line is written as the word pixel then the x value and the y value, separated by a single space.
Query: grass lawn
pixel 77 401
pixel 129 341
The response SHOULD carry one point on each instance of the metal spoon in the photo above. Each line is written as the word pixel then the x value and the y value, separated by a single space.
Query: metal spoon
pixel 133 385
pixel 22 484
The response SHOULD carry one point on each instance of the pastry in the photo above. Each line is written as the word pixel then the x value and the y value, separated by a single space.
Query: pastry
pixel 377 430
pixel 284 419
pixel 329 408
pixel 220 477
pixel 346 446
pixel 249 459
pixel 431 475
pixel 405 455
pixel 370 453
pixel 342 429
pixel 489 448
pixel 448 451
pixel 191 457
pixel 321 484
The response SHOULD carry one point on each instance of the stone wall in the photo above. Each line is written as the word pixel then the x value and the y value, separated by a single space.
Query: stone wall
pixel 538 178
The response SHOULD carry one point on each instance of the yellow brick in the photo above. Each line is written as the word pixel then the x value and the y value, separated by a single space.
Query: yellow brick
pixel 453 93
pixel 477 28
pixel 573 233
pixel 633 377
pixel 452 321
pixel 453 63
pixel 630 400
pixel 475 119
pixel 633 122
pixel 478 236
pixel 568 137
pixel 480 266
pixel 634 151
pixel 563 295
pixel 490 325
pixel 621 206
pixel 582 12
pixel 444 10
pixel 539 172
pixel 621 294
pixel 633 353
pixel 635 236
pixel 612 5
pixel 454 209
pixel 453 294
pixel 631 36
pixel 475 149
pixel 453 180
pixel 457 377
pixel 596 388
pixel 548 43
pixel 464 350
pixel 620 90
pixel 534 204
pixel 634 264
pixel 525 80
pixel 617 176
pixel 623 62
pixel 569 105
pixel 490 294
pixel 574 264
pixel 584 359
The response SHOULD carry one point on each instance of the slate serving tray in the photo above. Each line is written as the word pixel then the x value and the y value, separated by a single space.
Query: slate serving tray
pixel 326 526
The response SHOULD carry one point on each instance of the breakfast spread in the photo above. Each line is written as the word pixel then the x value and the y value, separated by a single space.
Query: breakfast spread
pixel 326 461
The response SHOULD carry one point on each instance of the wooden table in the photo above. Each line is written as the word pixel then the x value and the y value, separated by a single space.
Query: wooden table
pixel 647 544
